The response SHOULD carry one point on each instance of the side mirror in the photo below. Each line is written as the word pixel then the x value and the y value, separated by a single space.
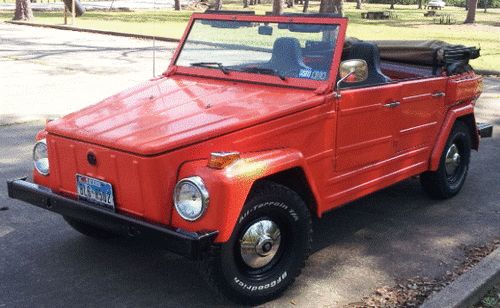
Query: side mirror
pixel 352 71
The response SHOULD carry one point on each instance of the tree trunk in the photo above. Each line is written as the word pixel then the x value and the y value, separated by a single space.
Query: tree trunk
pixel 471 13
pixel 290 3
pixel 392 5
pixel 245 3
pixel 23 10
pixel 339 7
pixel 419 4
pixel 306 6
pixel 177 5
pixel 358 4
pixel 218 5
pixel 327 6
pixel 277 7
pixel 485 3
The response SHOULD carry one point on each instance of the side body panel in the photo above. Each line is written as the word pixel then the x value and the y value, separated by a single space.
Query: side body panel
pixel 421 113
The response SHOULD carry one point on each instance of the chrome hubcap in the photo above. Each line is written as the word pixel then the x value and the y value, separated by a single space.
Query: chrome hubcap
pixel 260 243
pixel 452 160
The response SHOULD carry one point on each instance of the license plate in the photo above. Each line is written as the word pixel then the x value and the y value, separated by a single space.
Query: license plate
pixel 95 191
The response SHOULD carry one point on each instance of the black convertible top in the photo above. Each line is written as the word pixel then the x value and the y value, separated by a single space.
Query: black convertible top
pixel 435 53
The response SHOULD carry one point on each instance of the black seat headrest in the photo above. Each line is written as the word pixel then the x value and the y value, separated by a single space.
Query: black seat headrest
pixel 287 56
pixel 370 53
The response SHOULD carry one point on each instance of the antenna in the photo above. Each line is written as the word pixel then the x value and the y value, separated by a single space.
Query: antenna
pixel 154 41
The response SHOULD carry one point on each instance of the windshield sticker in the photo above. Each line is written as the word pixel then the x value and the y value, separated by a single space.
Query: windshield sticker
pixel 318 75
pixel 305 73
pixel 310 74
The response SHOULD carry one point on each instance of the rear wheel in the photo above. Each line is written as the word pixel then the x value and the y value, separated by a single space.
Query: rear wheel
pixel 450 176
pixel 267 250
pixel 89 230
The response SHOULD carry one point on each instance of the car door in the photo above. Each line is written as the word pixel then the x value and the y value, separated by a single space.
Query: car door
pixel 420 113
pixel 367 126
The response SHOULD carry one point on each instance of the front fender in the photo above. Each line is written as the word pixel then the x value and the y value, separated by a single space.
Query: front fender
pixel 445 131
pixel 229 187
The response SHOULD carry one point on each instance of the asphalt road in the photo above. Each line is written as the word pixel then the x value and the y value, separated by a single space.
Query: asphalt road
pixel 49 72
pixel 393 234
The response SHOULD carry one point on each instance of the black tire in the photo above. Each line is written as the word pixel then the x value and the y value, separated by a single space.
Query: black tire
pixel 89 230
pixel 442 183
pixel 225 267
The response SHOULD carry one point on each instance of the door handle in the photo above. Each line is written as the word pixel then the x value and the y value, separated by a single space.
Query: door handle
pixel 392 104
pixel 438 94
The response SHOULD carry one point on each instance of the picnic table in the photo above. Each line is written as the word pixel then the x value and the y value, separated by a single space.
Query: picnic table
pixel 446 19
pixel 378 15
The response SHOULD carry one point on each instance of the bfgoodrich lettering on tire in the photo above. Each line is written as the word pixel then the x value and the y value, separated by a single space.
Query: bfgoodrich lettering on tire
pixel 268 247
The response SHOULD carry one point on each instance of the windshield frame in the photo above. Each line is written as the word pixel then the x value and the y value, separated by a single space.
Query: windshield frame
pixel 262 78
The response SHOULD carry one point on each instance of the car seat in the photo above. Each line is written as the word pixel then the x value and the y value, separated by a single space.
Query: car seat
pixel 370 53
pixel 287 57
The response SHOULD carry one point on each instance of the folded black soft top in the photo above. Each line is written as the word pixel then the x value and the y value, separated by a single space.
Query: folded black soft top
pixel 433 53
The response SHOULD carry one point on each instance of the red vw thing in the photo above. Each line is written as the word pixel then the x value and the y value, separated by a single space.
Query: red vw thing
pixel 259 124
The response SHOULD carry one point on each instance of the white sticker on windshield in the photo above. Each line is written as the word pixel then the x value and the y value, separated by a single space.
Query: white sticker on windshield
pixel 305 73
pixel 318 75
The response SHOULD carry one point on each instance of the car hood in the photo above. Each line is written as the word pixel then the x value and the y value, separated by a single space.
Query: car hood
pixel 171 112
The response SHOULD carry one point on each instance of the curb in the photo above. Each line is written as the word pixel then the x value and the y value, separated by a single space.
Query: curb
pixel 105 32
pixel 468 288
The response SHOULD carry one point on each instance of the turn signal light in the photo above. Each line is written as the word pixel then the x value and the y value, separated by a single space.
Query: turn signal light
pixel 220 160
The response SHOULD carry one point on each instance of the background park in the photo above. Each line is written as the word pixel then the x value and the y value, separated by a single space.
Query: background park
pixel 468 22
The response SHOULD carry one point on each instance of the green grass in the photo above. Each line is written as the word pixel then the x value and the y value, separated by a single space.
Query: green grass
pixel 410 24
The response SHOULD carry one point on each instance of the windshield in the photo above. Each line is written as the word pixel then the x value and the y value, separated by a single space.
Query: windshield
pixel 286 50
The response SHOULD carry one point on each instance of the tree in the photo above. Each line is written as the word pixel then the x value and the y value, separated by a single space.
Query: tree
pixel 419 4
pixel 245 3
pixel 471 13
pixel 358 4
pixel 326 6
pixel 392 4
pixel 23 10
pixel 177 5
pixel 306 6
pixel 278 7
pixel 218 5
pixel 331 6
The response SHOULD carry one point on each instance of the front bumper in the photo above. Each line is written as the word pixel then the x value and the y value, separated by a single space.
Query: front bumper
pixel 188 244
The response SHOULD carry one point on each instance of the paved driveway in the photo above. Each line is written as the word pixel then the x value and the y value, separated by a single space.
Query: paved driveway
pixel 393 234
pixel 48 72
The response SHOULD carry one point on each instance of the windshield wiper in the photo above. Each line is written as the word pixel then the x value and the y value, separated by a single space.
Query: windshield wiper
pixel 211 64
pixel 263 70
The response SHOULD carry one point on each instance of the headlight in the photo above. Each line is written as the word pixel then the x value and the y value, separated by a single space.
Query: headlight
pixel 191 198
pixel 41 157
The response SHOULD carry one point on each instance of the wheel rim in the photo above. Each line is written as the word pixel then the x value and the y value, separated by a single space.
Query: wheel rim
pixel 452 161
pixel 260 243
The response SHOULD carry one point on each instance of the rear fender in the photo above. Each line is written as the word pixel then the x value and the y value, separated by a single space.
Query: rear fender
pixel 465 113
pixel 230 187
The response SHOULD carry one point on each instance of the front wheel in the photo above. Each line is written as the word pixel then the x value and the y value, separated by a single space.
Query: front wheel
pixel 267 250
pixel 450 176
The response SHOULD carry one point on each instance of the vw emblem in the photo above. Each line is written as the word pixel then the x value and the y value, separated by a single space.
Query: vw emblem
pixel 91 158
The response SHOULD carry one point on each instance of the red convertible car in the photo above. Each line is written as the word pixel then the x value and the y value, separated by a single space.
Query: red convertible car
pixel 259 124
